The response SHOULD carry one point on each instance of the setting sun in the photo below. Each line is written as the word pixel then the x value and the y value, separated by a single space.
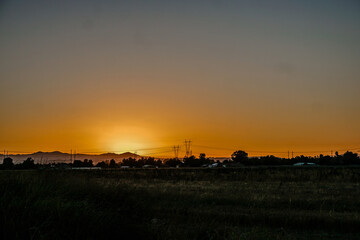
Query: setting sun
pixel 126 138
pixel 158 119
pixel 113 81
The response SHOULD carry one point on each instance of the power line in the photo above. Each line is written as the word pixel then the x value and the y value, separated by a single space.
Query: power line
pixel 155 153
pixel 176 151
pixel 284 152
pixel 188 151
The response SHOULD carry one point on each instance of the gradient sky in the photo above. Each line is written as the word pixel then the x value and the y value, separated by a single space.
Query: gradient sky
pixel 100 76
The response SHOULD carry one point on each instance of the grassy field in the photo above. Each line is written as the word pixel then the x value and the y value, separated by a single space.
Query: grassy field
pixel 244 203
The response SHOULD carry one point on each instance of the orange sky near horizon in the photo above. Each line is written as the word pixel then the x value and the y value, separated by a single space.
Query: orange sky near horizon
pixel 100 76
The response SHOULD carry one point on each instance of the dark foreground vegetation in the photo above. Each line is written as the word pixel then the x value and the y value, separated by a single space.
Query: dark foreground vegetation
pixel 192 203
pixel 237 159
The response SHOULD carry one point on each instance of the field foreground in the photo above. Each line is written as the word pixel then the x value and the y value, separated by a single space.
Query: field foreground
pixel 244 203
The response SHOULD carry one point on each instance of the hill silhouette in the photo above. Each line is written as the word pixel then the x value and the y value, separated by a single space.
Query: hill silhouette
pixel 57 156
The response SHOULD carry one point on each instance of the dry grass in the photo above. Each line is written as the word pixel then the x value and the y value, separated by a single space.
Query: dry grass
pixel 182 204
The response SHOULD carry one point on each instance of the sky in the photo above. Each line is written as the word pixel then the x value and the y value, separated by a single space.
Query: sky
pixel 266 77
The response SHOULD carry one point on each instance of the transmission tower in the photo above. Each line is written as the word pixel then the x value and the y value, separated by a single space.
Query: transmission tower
pixel 176 151
pixel 188 152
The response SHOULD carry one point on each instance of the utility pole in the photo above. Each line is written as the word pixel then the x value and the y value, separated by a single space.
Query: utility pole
pixel 288 154
pixel 176 151
pixel 188 152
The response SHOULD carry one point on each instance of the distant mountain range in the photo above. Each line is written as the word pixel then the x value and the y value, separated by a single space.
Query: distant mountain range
pixel 56 156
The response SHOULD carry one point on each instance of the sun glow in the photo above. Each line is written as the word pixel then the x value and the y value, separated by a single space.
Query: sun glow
pixel 127 144
pixel 126 139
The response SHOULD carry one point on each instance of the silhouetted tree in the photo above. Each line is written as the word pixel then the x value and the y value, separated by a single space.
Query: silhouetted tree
pixel 226 161
pixel 192 161
pixel 8 163
pixel 158 163
pixel 28 164
pixel 131 162
pixel 85 163
pixel 77 163
pixel 325 160
pixel 150 161
pixel 240 157
pixel 173 162
pixel 350 158
pixel 102 164
pixel 303 159
pixel 88 163
pixel 141 162
pixel 338 159
pixel 270 160
pixel 113 164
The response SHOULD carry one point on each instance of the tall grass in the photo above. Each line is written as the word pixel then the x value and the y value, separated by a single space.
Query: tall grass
pixel 56 205
pixel 246 203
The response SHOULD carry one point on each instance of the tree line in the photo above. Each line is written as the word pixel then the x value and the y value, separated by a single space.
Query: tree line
pixel 237 159
pixel 348 158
